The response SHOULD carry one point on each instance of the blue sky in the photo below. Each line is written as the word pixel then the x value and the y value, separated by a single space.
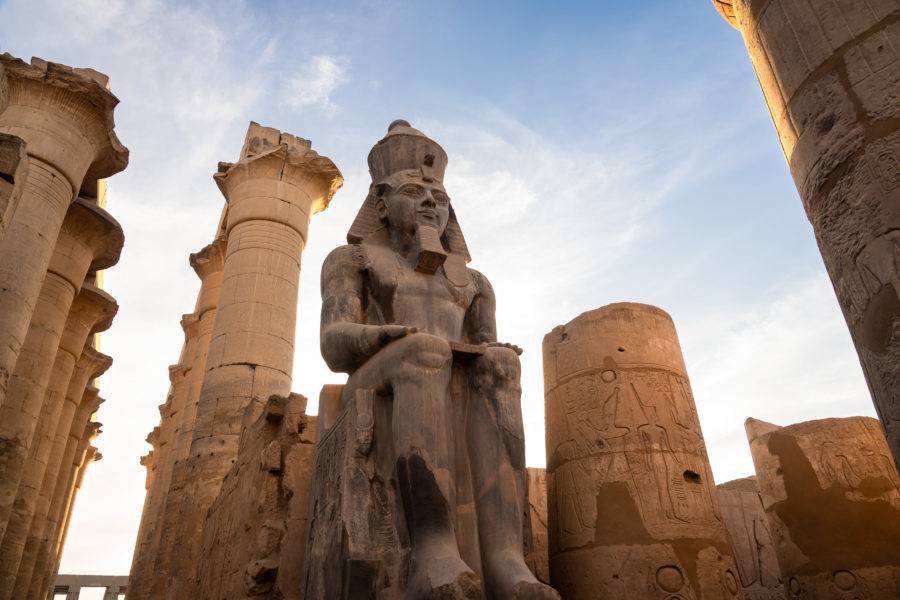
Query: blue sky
pixel 599 152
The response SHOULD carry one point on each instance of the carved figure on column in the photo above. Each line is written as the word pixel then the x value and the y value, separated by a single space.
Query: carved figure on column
pixel 414 327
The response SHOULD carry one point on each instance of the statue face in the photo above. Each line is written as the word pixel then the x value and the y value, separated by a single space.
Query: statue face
pixel 415 203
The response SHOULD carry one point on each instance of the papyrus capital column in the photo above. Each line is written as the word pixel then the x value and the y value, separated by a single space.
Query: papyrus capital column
pixel 92 312
pixel 271 194
pixel 830 72
pixel 65 117
pixel 88 239
pixel 632 506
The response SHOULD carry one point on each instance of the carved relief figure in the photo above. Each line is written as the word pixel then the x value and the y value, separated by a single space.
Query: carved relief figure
pixel 403 315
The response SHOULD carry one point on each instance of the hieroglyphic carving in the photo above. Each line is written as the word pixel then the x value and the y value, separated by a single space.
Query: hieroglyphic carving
pixel 832 499
pixel 751 539
pixel 627 465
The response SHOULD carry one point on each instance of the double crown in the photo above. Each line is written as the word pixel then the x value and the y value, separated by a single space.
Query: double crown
pixel 405 149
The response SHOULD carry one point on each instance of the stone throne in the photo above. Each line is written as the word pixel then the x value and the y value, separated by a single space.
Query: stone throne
pixel 419 482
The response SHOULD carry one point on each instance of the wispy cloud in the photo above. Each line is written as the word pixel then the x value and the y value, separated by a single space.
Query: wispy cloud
pixel 317 82
pixel 786 360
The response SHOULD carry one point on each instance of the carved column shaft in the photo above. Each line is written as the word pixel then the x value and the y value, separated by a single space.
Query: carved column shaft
pixel 208 265
pixel 92 311
pixel 830 73
pixel 64 115
pixel 632 506
pixel 832 497
pixel 140 564
pixel 88 239
pixel 271 193
pixel 86 455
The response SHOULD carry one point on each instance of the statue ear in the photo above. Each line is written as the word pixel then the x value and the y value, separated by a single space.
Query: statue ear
pixel 381 191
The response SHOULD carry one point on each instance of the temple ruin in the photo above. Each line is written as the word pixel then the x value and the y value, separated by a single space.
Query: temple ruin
pixel 410 481
pixel 57 145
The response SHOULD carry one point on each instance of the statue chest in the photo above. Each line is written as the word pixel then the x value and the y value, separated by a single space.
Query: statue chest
pixel 402 296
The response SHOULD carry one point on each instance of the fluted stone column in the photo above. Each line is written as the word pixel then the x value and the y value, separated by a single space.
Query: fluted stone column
pixel 830 72
pixel 271 194
pixel 92 312
pixel 88 239
pixel 208 264
pixel 632 506
pixel 832 497
pixel 65 117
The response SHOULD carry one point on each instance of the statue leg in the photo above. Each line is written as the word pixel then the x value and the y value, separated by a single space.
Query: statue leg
pixel 417 369
pixel 496 442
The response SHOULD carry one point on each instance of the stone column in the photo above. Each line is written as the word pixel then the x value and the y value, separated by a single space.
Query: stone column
pixel 87 402
pixel 829 72
pixel 87 455
pixel 145 556
pixel 13 169
pixel 832 497
pixel 208 264
pixel 140 567
pixel 92 311
pixel 751 539
pixel 89 239
pixel 271 194
pixel 632 506
pixel 65 117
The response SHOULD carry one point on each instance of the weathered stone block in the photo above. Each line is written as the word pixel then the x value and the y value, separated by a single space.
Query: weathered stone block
pixel 832 497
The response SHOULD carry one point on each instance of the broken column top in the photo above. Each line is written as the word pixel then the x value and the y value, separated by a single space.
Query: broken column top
pixel 644 335
pixel 296 152
pixel 92 90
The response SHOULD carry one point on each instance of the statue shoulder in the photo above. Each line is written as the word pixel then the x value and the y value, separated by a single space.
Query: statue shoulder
pixel 481 283
pixel 343 263
pixel 344 258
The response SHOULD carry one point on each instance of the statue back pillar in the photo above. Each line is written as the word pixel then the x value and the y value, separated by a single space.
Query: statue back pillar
pixel 632 506
pixel 830 74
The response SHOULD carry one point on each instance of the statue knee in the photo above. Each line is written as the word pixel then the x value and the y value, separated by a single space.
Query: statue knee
pixel 422 352
pixel 498 367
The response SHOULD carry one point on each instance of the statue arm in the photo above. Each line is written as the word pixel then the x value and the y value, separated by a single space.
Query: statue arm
pixel 345 340
pixel 481 324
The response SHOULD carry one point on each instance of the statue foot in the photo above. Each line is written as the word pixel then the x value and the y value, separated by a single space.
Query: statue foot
pixel 526 590
pixel 513 580
pixel 465 587
pixel 443 578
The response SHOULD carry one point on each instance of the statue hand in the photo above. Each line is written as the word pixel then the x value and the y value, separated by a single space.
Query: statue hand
pixel 389 333
pixel 512 347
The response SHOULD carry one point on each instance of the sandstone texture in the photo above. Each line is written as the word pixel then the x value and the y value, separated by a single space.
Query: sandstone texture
pixel 237 354
pixel 419 487
pixel 751 539
pixel 254 537
pixel 832 497
pixel 633 511
pixel 56 238
pixel 830 74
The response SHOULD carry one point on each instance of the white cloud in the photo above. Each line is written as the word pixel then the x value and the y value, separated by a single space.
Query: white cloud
pixel 784 361
pixel 316 82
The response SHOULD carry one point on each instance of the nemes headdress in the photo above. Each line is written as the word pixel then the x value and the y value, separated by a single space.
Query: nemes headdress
pixel 405 153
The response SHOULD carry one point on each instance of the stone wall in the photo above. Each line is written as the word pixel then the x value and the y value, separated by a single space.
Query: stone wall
pixel 254 537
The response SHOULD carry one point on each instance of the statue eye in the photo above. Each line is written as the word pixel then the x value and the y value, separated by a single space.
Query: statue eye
pixel 410 190
pixel 440 197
